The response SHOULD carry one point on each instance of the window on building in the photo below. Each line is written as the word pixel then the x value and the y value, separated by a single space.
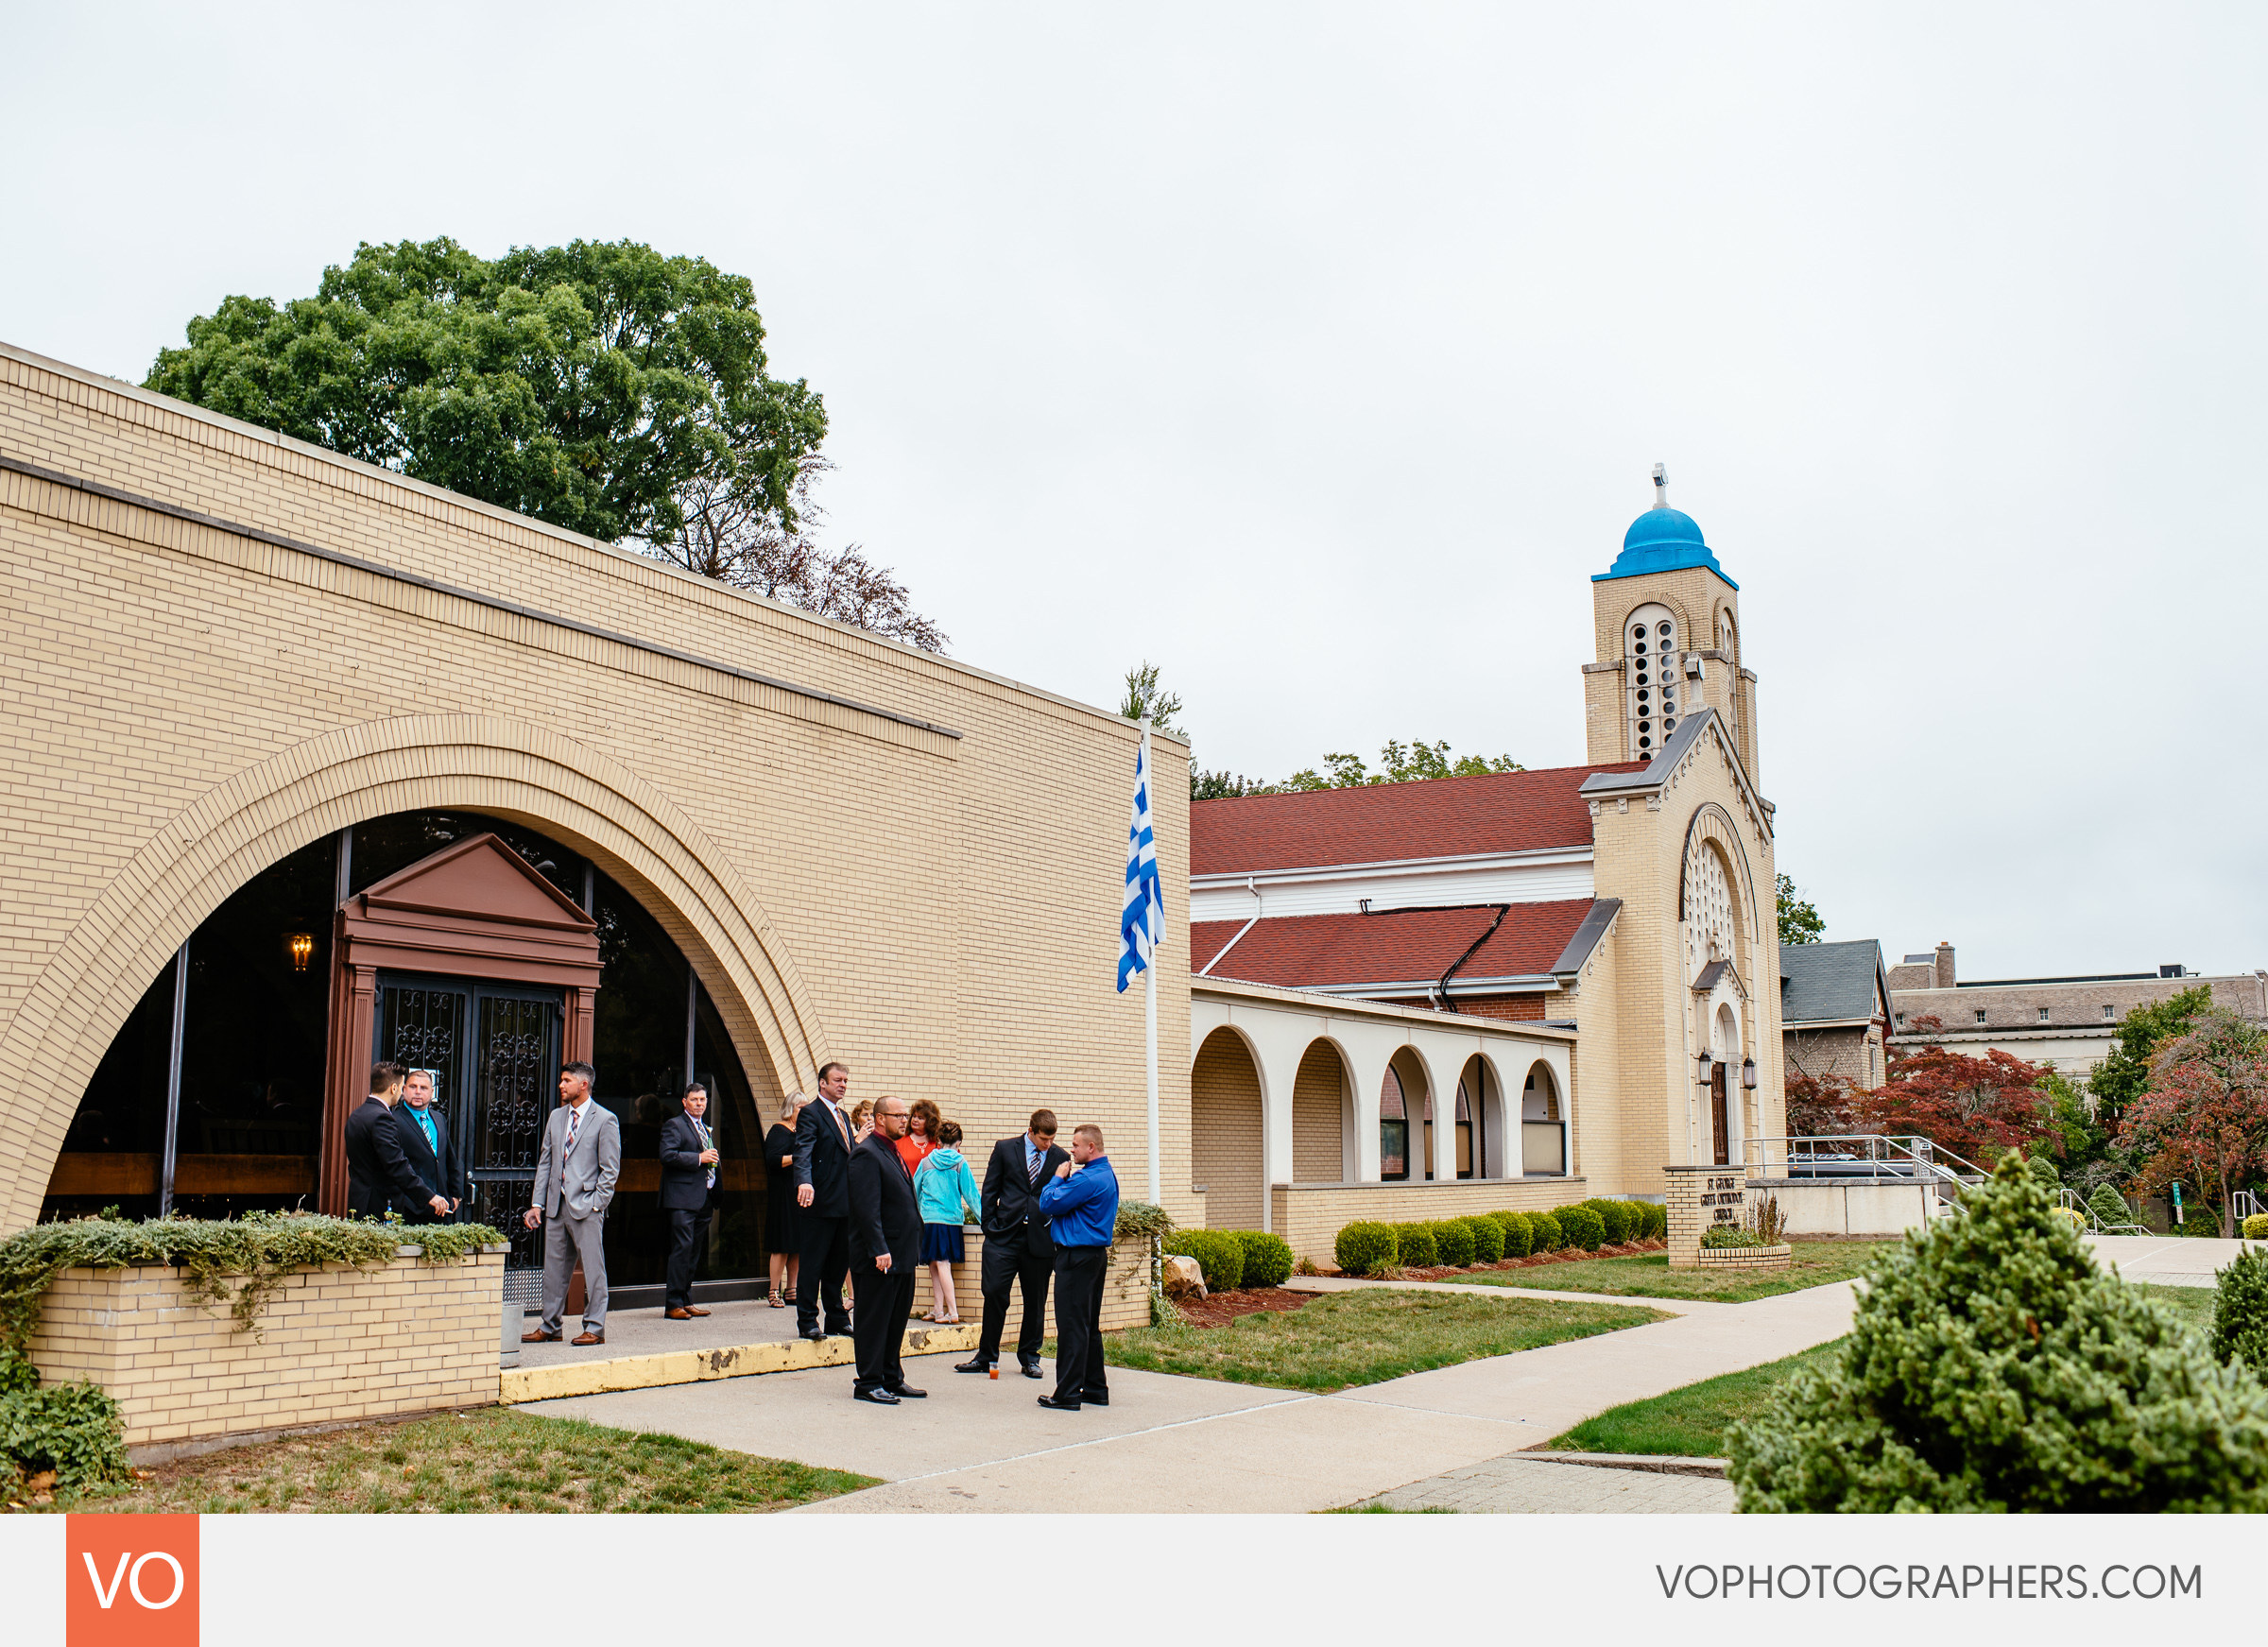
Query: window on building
pixel 1901 1020
pixel 1392 1129
pixel 2109 1013
pixel 1980 1015
pixel 1650 679
pixel 2043 1015
pixel 1465 1162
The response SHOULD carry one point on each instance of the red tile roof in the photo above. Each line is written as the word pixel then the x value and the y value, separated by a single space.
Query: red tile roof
pixel 1437 817
pixel 1306 952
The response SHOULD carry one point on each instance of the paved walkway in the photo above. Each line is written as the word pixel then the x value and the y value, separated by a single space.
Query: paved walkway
pixel 2164 1260
pixel 1172 1443
pixel 1520 1486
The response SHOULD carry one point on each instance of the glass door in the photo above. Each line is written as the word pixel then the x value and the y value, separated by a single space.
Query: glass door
pixel 515 1066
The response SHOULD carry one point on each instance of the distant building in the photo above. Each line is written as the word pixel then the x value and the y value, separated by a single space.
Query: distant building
pixel 2065 1024
pixel 1834 1011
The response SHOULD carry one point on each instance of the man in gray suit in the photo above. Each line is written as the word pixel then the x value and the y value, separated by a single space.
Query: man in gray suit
pixel 575 1180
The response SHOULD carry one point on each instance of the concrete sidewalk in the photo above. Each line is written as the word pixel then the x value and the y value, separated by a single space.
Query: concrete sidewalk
pixel 2163 1260
pixel 1174 1444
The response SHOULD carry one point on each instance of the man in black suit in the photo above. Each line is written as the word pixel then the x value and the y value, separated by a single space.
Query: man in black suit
pixel 378 1174
pixel 885 1251
pixel 823 1192
pixel 689 1158
pixel 1019 1245
pixel 432 1153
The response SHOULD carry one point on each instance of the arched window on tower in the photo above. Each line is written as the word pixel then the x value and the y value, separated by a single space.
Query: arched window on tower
pixel 1650 681
pixel 1728 650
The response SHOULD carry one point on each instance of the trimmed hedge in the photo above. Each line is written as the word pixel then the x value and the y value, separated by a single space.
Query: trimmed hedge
pixel 1657 1221
pixel 1414 1246
pixel 1519 1233
pixel 1454 1242
pixel 1487 1239
pixel 1581 1227
pixel 1364 1247
pixel 1267 1258
pixel 1218 1255
pixel 1549 1236
pixel 2256 1228
pixel 1614 1220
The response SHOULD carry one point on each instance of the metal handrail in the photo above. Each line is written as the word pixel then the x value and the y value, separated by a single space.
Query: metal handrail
pixel 1911 1155
pixel 2095 1225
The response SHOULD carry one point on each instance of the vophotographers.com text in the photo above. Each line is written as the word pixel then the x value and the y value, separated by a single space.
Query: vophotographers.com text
pixel 1889 1581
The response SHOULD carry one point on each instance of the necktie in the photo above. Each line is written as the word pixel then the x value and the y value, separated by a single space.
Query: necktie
pixel 574 1121
pixel 840 1125
pixel 432 1143
pixel 706 1144
pixel 1036 1162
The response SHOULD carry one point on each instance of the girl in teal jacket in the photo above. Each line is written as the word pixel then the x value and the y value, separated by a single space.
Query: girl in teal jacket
pixel 946 1191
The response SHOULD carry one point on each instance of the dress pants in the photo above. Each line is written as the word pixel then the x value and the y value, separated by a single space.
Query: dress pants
pixel 826 1261
pixel 1006 1262
pixel 567 1237
pixel 688 1234
pixel 885 1302
pixel 1079 1322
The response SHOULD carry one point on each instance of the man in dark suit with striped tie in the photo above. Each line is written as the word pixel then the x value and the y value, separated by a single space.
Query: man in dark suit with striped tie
pixel 1019 1246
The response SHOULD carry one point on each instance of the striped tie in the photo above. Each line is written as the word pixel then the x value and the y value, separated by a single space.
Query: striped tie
pixel 574 1119
pixel 1038 1160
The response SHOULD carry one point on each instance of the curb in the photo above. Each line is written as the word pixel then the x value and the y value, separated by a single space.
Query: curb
pixel 1659 1464
pixel 689 1366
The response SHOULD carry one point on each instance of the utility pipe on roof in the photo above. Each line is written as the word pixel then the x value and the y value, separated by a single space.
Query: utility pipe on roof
pixel 1251 885
pixel 1440 991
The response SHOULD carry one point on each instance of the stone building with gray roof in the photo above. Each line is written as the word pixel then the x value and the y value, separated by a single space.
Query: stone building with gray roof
pixel 1834 1010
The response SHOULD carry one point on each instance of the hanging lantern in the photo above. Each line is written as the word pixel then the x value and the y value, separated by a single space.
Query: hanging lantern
pixel 1704 1061
pixel 1748 1073
pixel 302 945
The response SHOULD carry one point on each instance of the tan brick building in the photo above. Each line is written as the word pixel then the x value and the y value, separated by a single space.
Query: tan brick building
pixel 250 684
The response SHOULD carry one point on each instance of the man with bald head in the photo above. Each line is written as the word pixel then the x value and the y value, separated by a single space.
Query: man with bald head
pixel 885 1251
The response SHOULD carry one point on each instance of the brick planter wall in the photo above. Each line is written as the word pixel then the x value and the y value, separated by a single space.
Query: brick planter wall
pixel 1696 1197
pixel 1746 1258
pixel 1126 1288
pixel 335 1342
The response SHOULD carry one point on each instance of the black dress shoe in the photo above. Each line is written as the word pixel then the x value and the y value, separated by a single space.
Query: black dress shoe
pixel 882 1397
pixel 1031 1370
pixel 907 1393
pixel 978 1365
pixel 1058 1406
pixel 1095 1400
pixel 842 1331
pixel 815 1335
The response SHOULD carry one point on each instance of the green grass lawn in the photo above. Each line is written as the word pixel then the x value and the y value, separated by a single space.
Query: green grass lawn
pixel 479 1464
pixel 2190 1306
pixel 1690 1422
pixel 1361 1338
pixel 1814 1264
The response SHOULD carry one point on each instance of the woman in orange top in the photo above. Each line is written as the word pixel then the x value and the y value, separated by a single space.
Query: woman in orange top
pixel 920 1135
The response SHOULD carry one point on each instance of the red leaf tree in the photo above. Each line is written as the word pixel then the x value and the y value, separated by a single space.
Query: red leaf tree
pixel 1979 1109
pixel 2205 1115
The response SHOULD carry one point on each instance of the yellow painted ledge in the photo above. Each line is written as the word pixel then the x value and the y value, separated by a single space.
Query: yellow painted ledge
pixel 690 1367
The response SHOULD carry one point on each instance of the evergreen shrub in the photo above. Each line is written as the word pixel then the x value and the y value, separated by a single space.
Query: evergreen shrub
pixel 1364 1247
pixel 1520 1234
pixel 1414 1246
pixel 1992 1366
pixel 1580 1226
pixel 1614 1220
pixel 1454 1242
pixel 2256 1226
pixel 2109 1207
pixel 1267 1258
pixel 2240 1312
pixel 1217 1253
pixel 1549 1236
pixel 1487 1239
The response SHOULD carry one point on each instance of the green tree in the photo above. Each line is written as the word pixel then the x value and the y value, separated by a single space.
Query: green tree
pixel 1146 700
pixel 1399 763
pixel 1799 924
pixel 586 384
pixel 2078 1140
pixel 1993 1366
pixel 2205 1117
pixel 2125 1075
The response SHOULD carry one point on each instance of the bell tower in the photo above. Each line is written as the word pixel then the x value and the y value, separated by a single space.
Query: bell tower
pixel 1669 641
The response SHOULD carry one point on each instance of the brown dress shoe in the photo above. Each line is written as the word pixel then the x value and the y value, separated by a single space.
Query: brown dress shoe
pixel 538 1336
pixel 695 1309
pixel 583 1340
pixel 680 1315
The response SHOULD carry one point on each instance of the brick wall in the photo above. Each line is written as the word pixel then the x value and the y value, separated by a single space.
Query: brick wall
pixel 1224 1132
pixel 1318 1121
pixel 1309 1216
pixel 1126 1290
pixel 333 1343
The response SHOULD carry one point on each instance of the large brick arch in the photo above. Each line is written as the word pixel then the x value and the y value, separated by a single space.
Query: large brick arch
pixel 409 763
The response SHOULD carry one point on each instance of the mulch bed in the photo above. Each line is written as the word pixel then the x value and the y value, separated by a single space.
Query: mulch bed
pixel 1219 1309
pixel 1566 1255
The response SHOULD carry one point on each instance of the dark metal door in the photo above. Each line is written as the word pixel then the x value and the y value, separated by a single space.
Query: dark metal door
pixel 1716 1114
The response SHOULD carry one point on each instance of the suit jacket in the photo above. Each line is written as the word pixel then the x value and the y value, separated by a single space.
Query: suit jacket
pixel 884 1217
pixel 378 1173
pixel 442 1174
pixel 1011 1207
pixel 582 1182
pixel 684 1180
pixel 823 1161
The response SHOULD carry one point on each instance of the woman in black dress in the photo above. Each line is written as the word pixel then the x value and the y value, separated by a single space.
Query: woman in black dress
pixel 782 1235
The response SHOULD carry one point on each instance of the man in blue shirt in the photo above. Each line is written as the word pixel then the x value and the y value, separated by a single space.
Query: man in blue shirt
pixel 433 1154
pixel 1081 1205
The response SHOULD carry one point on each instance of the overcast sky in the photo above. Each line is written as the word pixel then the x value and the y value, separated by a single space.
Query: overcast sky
pixel 1321 355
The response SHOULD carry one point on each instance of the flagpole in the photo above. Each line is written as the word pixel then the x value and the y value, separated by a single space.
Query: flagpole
pixel 1150 985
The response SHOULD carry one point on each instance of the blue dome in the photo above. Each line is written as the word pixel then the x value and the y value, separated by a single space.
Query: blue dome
pixel 1662 541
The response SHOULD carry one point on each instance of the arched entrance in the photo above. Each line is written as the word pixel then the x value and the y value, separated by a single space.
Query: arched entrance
pixel 1405 1120
pixel 1480 1120
pixel 1542 1125
pixel 1226 1130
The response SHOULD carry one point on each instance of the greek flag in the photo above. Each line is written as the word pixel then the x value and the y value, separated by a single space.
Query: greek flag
pixel 1142 919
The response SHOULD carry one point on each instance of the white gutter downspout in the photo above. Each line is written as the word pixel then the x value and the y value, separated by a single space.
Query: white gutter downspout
pixel 1251 885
